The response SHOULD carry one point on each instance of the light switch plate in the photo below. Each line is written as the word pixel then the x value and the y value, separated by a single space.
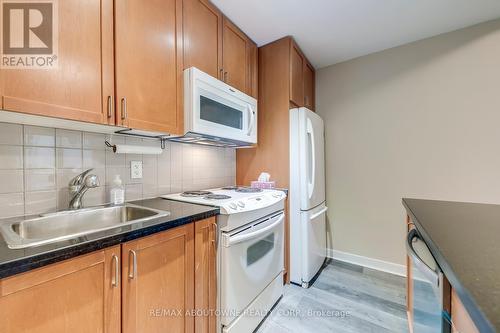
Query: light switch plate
pixel 136 169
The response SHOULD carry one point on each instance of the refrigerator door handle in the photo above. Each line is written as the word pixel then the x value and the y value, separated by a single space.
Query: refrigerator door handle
pixel 321 212
pixel 312 180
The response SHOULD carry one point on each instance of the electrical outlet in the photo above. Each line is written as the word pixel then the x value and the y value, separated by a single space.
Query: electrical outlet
pixel 136 169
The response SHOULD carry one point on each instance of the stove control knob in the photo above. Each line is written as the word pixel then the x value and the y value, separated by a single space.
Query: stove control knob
pixel 232 205
pixel 241 204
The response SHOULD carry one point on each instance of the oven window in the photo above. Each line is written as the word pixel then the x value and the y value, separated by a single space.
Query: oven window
pixel 218 113
pixel 260 249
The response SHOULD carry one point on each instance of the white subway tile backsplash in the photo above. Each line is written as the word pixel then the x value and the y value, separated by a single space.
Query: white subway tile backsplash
pixel 64 176
pixel 94 159
pixel 11 204
pixel 115 139
pixel 11 134
pixel 111 173
pixel 11 180
pixel 133 192
pixel 94 141
pixel 39 136
pixel 95 197
pixel 11 157
pixel 39 158
pixel 68 139
pixel 40 179
pixel 115 160
pixel 35 176
pixel 69 158
pixel 40 202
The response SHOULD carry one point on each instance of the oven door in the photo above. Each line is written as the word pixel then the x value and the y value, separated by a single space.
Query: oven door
pixel 252 257
pixel 219 110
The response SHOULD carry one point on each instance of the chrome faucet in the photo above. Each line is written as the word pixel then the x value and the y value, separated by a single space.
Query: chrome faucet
pixel 79 185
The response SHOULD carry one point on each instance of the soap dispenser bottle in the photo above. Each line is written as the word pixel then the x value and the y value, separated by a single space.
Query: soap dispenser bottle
pixel 117 191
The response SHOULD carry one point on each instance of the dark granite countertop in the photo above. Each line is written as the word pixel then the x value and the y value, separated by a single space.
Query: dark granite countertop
pixel 464 238
pixel 22 260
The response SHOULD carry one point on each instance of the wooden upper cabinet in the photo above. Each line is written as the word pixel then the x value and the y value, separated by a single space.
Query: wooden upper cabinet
pixel 202 24
pixel 205 275
pixel 78 295
pixel 239 59
pixel 309 101
pixel 78 88
pixel 253 69
pixel 296 76
pixel 235 57
pixel 158 276
pixel 148 39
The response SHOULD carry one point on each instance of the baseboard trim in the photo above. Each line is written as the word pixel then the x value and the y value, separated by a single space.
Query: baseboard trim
pixel 372 263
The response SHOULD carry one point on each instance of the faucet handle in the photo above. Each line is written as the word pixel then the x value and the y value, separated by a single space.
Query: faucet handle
pixel 92 181
pixel 78 180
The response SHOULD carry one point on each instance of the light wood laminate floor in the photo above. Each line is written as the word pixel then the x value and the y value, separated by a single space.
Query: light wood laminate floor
pixel 344 298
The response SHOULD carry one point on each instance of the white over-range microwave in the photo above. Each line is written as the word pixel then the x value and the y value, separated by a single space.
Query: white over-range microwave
pixel 216 113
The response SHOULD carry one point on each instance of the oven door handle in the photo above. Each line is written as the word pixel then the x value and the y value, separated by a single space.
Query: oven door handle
pixel 430 274
pixel 232 240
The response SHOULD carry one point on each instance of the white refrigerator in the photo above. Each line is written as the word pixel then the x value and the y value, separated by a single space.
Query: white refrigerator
pixel 307 196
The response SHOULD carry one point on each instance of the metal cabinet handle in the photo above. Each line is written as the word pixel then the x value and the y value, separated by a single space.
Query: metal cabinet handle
pixel 215 240
pixel 116 280
pixel 110 106
pixel 225 76
pixel 132 273
pixel 221 74
pixel 124 108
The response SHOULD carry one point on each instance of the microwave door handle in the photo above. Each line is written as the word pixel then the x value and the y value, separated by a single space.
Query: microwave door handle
pixel 251 125
pixel 253 234
pixel 429 273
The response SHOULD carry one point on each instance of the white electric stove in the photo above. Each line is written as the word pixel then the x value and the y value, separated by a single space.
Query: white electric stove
pixel 250 253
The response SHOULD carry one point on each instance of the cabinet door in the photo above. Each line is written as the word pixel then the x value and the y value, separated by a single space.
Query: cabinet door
pixel 235 57
pixel 79 87
pixel 202 36
pixel 205 275
pixel 253 70
pixel 461 319
pixel 296 76
pixel 158 280
pixel 149 64
pixel 77 295
pixel 309 86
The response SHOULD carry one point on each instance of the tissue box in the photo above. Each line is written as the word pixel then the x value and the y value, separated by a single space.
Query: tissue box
pixel 263 185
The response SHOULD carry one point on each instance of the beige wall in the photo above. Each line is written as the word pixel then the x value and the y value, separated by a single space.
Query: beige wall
pixel 420 120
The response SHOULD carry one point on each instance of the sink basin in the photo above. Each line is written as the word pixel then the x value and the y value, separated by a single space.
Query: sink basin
pixel 49 228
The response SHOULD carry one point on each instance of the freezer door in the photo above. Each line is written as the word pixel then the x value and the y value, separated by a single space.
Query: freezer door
pixel 311 159
pixel 314 241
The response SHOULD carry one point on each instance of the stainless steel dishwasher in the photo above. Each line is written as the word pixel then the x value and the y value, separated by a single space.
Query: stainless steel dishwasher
pixel 428 295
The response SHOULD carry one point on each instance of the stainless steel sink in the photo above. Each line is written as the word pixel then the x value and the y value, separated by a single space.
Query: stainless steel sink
pixel 50 228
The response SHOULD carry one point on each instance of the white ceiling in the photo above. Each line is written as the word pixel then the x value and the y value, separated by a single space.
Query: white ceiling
pixel 331 31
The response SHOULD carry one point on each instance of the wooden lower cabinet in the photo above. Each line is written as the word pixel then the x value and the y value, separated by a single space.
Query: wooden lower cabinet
pixel 462 323
pixel 158 280
pixel 76 295
pixel 205 275
pixel 165 282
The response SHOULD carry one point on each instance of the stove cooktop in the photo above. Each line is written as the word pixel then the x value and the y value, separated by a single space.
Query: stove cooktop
pixel 231 199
